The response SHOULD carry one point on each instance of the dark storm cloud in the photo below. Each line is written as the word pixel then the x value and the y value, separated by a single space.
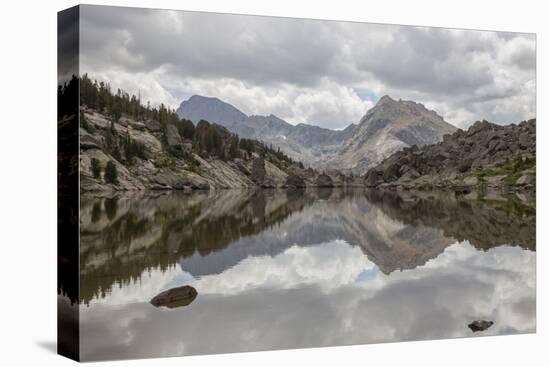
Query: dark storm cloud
pixel 256 49
pixel 308 70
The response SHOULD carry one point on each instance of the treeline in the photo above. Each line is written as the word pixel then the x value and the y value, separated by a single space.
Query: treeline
pixel 120 145
pixel 67 98
pixel 213 139
pixel 100 97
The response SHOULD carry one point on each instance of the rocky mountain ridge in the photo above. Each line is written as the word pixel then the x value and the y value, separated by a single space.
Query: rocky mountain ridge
pixel 389 126
pixel 386 128
pixel 485 155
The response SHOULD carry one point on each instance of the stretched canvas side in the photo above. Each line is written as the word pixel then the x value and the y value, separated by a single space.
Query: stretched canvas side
pixel 68 192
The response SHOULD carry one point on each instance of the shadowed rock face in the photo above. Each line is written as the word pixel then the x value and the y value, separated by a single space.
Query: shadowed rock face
pixel 295 181
pixel 175 297
pixel 208 233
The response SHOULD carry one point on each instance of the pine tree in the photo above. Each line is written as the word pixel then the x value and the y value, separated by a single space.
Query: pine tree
pixel 96 168
pixel 234 151
pixel 111 173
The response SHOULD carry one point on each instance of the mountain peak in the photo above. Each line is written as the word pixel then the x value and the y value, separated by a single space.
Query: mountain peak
pixel 398 123
pixel 211 109
pixel 198 97
pixel 385 99
pixel 386 105
pixel 388 109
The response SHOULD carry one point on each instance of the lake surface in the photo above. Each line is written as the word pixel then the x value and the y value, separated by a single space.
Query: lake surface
pixel 295 269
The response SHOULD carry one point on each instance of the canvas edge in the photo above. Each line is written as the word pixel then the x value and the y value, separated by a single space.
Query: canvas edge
pixel 68 223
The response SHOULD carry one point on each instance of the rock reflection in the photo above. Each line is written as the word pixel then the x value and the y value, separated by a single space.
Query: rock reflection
pixel 208 233
pixel 175 297
pixel 120 241
pixel 485 221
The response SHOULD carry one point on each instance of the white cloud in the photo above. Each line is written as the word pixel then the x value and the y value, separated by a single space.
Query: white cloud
pixel 329 265
pixel 328 105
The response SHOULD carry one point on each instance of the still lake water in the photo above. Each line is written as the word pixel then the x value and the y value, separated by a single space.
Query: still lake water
pixel 283 269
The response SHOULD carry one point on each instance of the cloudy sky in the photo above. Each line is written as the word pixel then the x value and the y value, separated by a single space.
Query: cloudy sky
pixel 324 73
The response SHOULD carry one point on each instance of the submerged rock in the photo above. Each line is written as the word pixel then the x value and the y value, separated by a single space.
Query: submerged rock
pixel 175 297
pixel 480 325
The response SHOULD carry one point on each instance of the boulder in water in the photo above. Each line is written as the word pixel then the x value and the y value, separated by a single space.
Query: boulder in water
pixel 175 297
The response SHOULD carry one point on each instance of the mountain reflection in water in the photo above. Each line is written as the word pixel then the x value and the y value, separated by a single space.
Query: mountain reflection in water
pixel 287 269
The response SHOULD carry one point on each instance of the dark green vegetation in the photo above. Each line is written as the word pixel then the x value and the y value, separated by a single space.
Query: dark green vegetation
pixel 96 168
pixel 111 173
pixel 513 169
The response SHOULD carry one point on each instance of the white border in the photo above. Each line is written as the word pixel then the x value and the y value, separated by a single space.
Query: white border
pixel 28 184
